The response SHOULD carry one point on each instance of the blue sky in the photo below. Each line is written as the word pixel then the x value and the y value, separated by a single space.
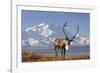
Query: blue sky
pixel 30 18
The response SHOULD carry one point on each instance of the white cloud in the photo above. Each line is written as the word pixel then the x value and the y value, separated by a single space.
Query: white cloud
pixel 28 29
pixel 52 39
pixel 24 42
pixel 31 29
pixel 45 31
pixel 42 24
pixel 45 41
pixel 33 42
pixel 34 28
pixel 82 40
pixel 77 35
pixel 88 41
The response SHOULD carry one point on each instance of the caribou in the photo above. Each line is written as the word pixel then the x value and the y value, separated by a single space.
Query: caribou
pixel 63 43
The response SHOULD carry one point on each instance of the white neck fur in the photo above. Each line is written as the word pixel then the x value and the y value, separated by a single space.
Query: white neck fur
pixel 66 47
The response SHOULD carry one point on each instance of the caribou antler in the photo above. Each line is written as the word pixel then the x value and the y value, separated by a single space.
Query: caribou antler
pixel 76 33
pixel 66 34
pixel 64 31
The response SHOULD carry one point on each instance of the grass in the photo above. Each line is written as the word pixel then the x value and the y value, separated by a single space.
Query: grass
pixel 34 57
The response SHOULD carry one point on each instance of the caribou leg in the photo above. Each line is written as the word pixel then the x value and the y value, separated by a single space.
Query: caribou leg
pixel 61 53
pixel 56 51
pixel 64 52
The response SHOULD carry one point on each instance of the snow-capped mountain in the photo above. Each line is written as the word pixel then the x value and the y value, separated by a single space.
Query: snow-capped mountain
pixel 36 35
pixel 81 40
pixel 42 29
pixel 43 34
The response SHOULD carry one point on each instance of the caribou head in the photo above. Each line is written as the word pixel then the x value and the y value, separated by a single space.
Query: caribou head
pixel 63 43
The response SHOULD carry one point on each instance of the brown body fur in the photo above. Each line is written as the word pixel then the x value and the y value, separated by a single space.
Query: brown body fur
pixel 60 44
